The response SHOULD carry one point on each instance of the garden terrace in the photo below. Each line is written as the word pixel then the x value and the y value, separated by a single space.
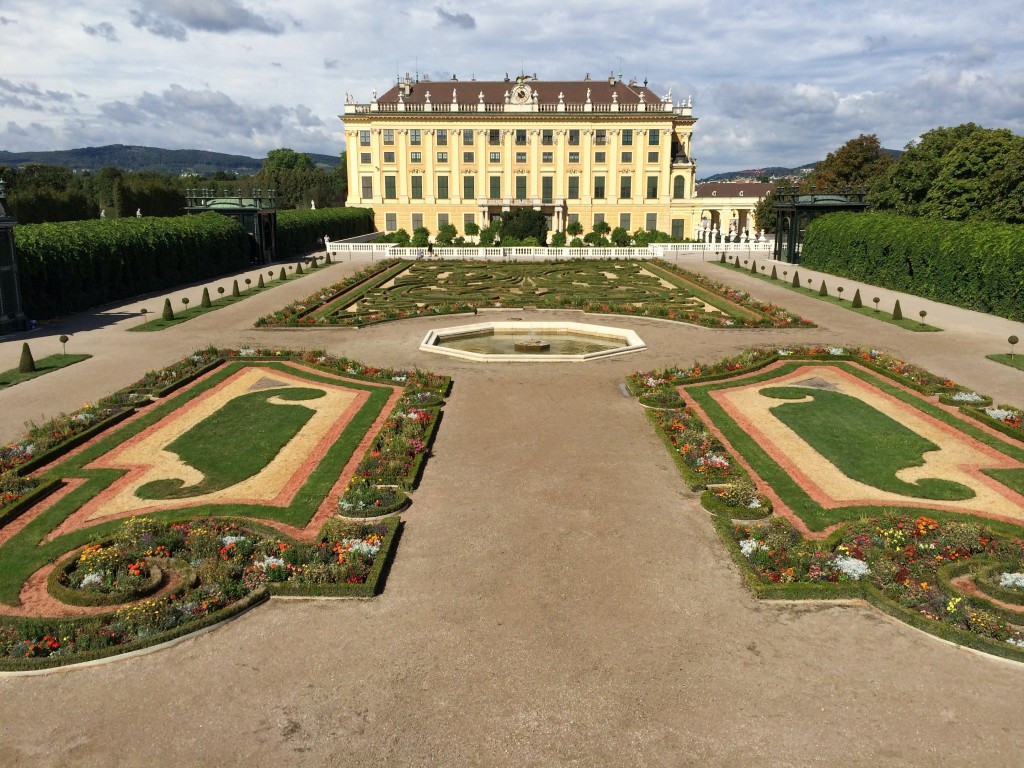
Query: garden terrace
pixel 840 445
pixel 313 438
pixel 651 289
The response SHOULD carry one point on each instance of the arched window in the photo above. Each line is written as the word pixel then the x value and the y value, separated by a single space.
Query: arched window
pixel 679 187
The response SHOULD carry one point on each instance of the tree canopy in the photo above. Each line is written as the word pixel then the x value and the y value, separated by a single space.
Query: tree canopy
pixel 860 162
pixel 285 159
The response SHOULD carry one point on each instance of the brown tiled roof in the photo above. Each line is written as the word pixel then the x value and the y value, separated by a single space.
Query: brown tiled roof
pixel 574 91
pixel 733 189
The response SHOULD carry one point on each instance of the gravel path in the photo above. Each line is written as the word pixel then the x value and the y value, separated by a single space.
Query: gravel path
pixel 558 597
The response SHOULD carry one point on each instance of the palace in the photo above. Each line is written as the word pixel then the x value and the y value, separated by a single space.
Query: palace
pixel 428 153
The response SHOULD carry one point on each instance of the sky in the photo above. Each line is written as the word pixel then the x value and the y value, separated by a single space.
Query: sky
pixel 772 83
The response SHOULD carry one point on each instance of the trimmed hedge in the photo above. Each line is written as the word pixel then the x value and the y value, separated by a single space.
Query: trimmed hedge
pixel 74 265
pixel 974 265
pixel 301 231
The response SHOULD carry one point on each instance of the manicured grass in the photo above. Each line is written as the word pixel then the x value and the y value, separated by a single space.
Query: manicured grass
pixel 906 322
pixel 258 431
pixel 793 494
pixel 43 366
pixel 1015 361
pixel 153 320
pixel 861 441
pixel 26 552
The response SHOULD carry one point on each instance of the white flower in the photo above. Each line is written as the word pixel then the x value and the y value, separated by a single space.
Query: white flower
pixel 968 397
pixel 852 567
pixel 1012 580
pixel 1000 414
pixel 270 562
pixel 227 541
pixel 361 547
pixel 93 577
pixel 1018 641
pixel 836 351
pixel 246 352
pixel 755 503
pixel 785 352
pixel 749 546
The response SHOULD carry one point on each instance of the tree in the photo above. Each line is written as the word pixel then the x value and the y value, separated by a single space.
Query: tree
pixel 906 184
pixel 574 228
pixel 521 223
pixel 859 162
pixel 27 364
pixel 764 213
pixel 620 237
pixel 285 159
pixel 557 240
pixel 601 228
pixel 420 237
pixel 490 233
pixel 445 234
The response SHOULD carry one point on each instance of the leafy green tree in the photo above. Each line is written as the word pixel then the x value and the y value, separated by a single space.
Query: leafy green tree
pixel 620 237
pixel 472 228
pixel 860 162
pixel 601 228
pixel 557 240
pixel 595 239
pixel 904 187
pixel 420 237
pixel 445 234
pixel 574 228
pixel 490 233
pixel 285 159
pixel 401 238
pixel 764 213
pixel 521 223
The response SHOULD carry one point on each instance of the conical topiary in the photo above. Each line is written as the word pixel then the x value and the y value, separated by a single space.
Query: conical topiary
pixel 823 291
pixel 205 301
pixel 298 269
pixel 234 289
pixel 897 313
pixel 327 259
pixel 260 283
pixel 753 266
pixel 775 275
pixel 282 276
pixel 856 303
pixel 168 312
pixel 722 257
pixel 796 279
pixel 27 364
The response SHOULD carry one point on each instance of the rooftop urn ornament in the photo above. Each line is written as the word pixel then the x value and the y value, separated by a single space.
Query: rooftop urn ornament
pixel 561 98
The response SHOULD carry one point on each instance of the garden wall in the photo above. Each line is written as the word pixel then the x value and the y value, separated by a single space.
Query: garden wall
pixel 301 231
pixel 975 265
pixel 74 265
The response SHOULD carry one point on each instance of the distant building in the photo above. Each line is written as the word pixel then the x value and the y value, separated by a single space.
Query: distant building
pixel 434 152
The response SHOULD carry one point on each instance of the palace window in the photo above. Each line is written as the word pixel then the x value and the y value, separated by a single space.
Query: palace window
pixel 574 136
pixel 441 137
pixel 652 222
pixel 415 136
pixel 520 136
pixel 495 193
pixel 415 157
pixel 442 187
pixel 599 187
pixel 574 157
pixel 417 221
pixel 547 136
pixel 442 157
pixel 364 158
pixel 389 188
pixel 367 184
pixel 627 157
pixel 600 136
pixel 468 187
pixel 494 136
pixel 390 222
pixel 624 221
pixel 364 138
pixel 389 135
pixel 467 157
pixel 626 187
pixel 442 219
pixel 520 187
pixel 416 187
pixel 520 157
pixel 574 187
pixel 495 157
pixel 652 157
pixel 467 137
pixel 679 187
pixel 547 186
pixel 599 157
pixel 627 137
pixel 547 157
pixel 654 137
pixel 652 187
pixel 677 229
pixel 389 157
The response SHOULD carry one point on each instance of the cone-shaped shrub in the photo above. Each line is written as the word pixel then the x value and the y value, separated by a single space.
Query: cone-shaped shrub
pixel 796 279
pixel 856 303
pixel 27 363
pixel 260 283
pixel 897 313
pixel 282 276
pixel 168 312
pixel 205 301
pixel 823 291
pixel 298 269
pixel 234 289
pixel 722 258
pixel 327 259
pixel 753 266
pixel 775 275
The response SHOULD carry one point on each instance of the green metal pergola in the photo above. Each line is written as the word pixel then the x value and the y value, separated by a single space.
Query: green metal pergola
pixel 794 211
pixel 257 213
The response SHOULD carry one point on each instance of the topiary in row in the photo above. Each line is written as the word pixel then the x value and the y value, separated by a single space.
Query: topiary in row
pixel 301 231
pixel 74 265
pixel 975 265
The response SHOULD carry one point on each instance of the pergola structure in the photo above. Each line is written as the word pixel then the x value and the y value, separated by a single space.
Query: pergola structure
pixel 794 211
pixel 12 318
pixel 258 214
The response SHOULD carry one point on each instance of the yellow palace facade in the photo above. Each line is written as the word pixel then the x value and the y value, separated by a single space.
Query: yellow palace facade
pixel 435 152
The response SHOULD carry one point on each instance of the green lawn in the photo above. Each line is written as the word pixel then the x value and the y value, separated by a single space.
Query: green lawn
pixel 915 323
pixel 1014 361
pixel 43 366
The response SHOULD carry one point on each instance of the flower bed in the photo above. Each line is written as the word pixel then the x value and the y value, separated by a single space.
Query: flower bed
pixel 700 455
pixel 233 565
pixel 902 557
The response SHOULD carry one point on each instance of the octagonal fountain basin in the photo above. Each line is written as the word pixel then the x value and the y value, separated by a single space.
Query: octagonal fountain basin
pixel 518 341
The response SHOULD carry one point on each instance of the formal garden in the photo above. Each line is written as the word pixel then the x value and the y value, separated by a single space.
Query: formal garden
pixel 201 490
pixel 837 473
pixel 395 290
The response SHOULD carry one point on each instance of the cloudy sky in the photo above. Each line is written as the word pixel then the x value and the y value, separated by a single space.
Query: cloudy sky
pixel 773 83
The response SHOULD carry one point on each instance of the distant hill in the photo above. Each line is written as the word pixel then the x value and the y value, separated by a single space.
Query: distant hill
pixel 132 158
pixel 777 171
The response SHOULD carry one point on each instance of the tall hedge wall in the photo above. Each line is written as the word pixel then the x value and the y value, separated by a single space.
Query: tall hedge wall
pixel 74 265
pixel 975 265
pixel 301 231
